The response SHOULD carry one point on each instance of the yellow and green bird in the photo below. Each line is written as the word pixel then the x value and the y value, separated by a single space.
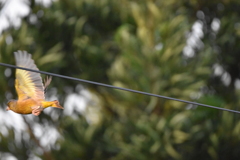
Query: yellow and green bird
pixel 29 88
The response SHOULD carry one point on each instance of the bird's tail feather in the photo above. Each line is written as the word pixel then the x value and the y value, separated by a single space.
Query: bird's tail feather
pixel 56 104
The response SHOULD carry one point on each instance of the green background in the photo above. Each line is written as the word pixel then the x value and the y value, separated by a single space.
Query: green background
pixel 178 48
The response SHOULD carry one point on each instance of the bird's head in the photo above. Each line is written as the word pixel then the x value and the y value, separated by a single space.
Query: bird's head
pixel 10 105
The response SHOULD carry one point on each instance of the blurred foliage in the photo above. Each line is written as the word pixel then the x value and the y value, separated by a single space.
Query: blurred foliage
pixel 138 45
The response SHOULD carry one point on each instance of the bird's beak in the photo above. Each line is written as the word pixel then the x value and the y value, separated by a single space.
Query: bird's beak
pixel 7 108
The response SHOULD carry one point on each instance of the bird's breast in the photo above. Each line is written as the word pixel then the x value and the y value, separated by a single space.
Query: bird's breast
pixel 25 106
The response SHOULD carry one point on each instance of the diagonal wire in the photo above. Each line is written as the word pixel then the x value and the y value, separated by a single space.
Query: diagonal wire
pixel 120 88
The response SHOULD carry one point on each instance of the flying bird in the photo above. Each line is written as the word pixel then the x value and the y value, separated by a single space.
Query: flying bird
pixel 29 88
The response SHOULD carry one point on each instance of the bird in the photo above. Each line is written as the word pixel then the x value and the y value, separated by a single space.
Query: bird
pixel 30 88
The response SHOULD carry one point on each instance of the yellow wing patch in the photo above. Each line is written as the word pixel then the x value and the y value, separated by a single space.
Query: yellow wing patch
pixel 28 84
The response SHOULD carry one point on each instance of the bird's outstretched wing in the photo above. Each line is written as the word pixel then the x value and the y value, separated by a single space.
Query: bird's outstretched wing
pixel 47 81
pixel 28 84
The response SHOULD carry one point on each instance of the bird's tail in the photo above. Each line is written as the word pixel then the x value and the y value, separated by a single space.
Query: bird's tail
pixel 56 104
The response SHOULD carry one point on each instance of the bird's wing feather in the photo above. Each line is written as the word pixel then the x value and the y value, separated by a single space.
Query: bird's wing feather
pixel 28 84
pixel 47 81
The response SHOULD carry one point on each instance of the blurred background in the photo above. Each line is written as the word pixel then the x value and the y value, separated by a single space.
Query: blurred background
pixel 178 48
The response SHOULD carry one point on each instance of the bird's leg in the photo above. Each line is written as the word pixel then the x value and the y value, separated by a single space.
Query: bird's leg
pixel 36 110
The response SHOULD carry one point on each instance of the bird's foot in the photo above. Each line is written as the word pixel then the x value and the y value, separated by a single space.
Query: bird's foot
pixel 37 110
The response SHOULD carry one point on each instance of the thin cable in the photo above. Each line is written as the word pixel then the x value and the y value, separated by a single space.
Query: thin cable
pixel 125 89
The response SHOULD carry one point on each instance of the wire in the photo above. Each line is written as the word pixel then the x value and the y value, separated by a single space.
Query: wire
pixel 120 88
